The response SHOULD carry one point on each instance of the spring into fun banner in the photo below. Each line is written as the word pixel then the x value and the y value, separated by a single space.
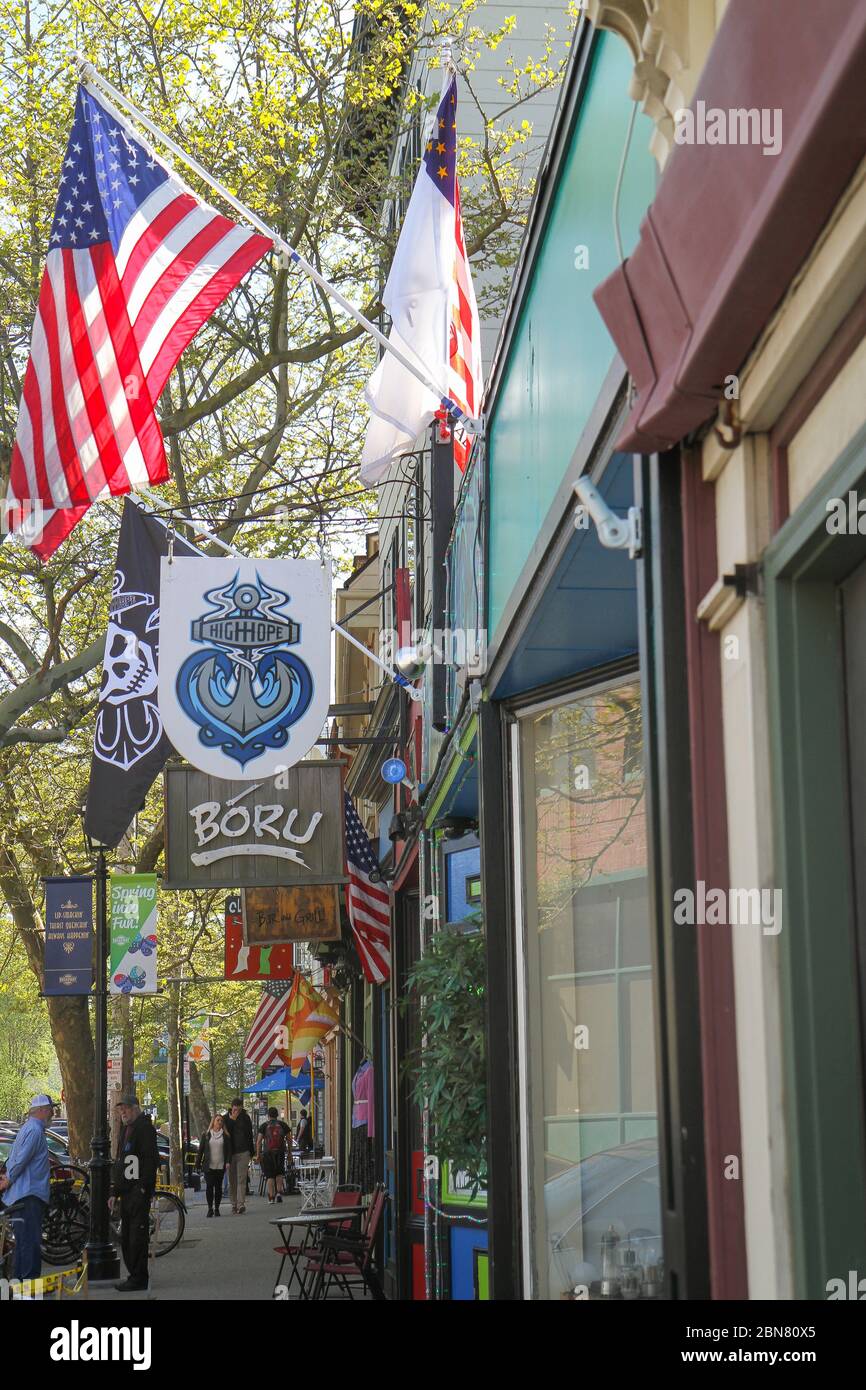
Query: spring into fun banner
pixel 133 934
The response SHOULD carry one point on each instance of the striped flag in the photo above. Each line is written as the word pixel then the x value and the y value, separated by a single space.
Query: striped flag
pixel 369 904
pixel 434 316
pixel 309 1017
pixel 465 372
pixel 136 264
pixel 261 1044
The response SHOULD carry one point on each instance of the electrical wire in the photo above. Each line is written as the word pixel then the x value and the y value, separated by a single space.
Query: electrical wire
pixel 618 190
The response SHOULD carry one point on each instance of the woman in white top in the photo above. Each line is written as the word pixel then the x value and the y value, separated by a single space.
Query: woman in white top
pixel 214 1153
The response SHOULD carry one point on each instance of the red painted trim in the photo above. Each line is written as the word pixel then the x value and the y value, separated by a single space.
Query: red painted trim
pixel 730 225
pixel 403 606
pixel 727 1235
pixel 817 381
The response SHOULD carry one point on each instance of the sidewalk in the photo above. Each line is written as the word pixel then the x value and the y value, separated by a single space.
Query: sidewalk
pixel 226 1257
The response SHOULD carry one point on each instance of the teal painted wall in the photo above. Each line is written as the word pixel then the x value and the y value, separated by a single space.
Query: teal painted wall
pixel 562 351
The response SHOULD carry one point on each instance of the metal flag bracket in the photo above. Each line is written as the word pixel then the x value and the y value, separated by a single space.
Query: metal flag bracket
pixel 615 532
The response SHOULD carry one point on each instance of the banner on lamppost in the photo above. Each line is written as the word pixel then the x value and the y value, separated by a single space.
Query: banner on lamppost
pixel 199 1049
pixel 133 934
pixel 244 662
pixel 68 936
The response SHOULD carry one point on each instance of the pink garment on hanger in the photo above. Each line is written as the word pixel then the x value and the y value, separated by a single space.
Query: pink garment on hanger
pixel 364 1094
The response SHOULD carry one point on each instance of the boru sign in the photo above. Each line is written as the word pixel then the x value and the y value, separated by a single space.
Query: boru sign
pixel 286 829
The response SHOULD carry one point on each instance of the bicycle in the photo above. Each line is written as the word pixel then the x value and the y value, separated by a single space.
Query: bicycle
pixel 167 1222
pixel 7 1247
pixel 66 1223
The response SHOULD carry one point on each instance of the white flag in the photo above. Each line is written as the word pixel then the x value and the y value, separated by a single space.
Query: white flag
pixel 420 296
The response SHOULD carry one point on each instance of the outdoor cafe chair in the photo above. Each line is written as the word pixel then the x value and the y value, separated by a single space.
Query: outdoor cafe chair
pixel 315 1182
pixel 347 1195
pixel 346 1259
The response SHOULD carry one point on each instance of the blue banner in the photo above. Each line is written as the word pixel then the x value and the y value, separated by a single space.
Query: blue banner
pixel 68 936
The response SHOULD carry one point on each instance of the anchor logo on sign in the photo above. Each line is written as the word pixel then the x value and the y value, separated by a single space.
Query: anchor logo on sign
pixel 245 689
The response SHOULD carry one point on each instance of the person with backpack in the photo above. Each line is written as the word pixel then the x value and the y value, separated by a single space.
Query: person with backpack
pixel 271 1153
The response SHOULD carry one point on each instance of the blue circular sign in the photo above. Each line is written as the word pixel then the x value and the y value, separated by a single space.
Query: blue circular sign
pixel 393 770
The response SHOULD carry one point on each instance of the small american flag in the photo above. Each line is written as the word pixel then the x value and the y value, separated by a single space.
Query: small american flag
pixel 136 264
pixel 261 1046
pixel 369 904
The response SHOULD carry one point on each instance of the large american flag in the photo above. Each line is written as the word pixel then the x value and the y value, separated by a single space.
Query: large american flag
pixel 369 904
pixel 465 374
pixel 135 266
pixel 264 1035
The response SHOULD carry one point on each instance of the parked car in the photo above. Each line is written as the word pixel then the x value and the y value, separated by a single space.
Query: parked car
pixel 617 1187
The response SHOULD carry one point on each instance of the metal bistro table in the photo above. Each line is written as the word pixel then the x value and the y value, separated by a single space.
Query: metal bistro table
pixel 305 1222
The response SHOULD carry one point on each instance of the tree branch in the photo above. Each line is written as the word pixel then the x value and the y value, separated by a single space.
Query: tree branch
pixel 40 686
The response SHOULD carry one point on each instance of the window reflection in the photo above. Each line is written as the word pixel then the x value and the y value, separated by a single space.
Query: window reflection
pixel 589 1006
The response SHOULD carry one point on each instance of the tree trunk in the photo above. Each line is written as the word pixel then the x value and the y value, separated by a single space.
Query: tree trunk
pixel 73 1043
pixel 213 1091
pixel 174 1098
pixel 199 1110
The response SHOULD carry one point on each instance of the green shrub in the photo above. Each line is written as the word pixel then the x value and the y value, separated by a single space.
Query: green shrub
pixel 449 1071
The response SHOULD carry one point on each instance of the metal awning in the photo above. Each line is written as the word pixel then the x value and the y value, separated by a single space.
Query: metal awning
pixel 730 224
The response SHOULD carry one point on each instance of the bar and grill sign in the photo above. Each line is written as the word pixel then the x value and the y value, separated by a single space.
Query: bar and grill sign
pixel 68 936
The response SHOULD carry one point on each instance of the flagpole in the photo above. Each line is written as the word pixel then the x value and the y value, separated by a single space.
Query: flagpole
pixel 89 74
pixel 411 690
pixel 313 1099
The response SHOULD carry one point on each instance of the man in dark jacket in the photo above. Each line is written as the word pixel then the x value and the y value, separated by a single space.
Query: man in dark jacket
pixel 240 1130
pixel 133 1181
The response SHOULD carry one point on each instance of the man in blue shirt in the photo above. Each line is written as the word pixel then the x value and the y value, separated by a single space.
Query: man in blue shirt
pixel 26 1189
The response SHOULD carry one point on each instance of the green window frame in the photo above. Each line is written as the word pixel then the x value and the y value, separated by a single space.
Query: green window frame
pixel 824 1102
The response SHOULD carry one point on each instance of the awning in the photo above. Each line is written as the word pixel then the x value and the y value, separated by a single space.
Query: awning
pixel 285 1080
pixel 730 225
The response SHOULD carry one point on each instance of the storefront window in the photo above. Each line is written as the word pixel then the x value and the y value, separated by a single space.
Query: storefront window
pixel 589 1057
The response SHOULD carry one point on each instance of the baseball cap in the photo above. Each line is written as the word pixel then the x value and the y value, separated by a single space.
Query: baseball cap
pixel 128 1098
pixel 41 1099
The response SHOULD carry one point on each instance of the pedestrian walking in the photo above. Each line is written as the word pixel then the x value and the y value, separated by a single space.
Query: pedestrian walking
pixel 133 1182
pixel 26 1187
pixel 271 1153
pixel 304 1135
pixel 214 1155
pixel 240 1131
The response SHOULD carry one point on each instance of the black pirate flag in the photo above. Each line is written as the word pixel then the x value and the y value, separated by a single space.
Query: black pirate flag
pixel 129 746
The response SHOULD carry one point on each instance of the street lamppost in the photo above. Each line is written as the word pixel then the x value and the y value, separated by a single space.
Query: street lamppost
pixel 103 1262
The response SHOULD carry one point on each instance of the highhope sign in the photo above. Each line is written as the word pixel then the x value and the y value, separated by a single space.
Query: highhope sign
pixel 244 661
pixel 283 829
